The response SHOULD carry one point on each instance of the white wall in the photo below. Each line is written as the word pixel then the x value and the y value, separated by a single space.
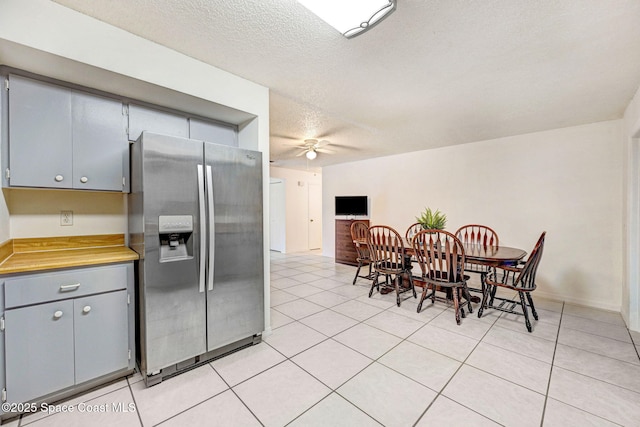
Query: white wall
pixel 565 181
pixel 36 213
pixel 297 205
pixel 631 229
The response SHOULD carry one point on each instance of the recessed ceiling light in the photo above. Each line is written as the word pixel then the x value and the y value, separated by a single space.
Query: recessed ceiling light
pixel 351 17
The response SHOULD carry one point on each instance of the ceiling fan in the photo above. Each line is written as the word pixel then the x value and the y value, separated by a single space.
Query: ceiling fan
pixel 312 147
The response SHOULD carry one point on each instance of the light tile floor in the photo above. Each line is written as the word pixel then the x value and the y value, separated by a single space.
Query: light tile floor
pixel 339 358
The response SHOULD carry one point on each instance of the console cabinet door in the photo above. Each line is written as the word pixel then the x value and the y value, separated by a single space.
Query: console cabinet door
pixel 39 350
pixel 39 134
pixel 101 335
pixel 100 144
pixel 213 132
pixel 148 119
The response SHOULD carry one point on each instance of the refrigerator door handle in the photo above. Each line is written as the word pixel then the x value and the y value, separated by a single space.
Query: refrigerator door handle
pixel 212 229
pixel 203 228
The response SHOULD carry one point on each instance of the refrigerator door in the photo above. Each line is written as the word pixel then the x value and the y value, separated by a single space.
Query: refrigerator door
pixel 173 199
pixel 235 296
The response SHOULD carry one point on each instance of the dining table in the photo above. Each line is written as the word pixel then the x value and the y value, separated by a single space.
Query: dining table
pixel 476 254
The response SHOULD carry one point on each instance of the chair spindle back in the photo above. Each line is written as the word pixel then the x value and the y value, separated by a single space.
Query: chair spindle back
pixel 440 255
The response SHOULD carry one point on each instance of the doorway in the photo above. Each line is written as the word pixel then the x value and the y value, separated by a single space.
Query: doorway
pixel 315 216
pixel 277 215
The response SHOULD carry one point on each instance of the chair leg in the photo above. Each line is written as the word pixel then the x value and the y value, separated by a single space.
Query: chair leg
pixel 456 305
pixel 493 294
pixel 525 311
pixel 533 308
pixel 485 297
pixel 396 282
pixel 422 297
pixel 413 288
pixel 374 284
pixel 467 296
pixel 460 303
pixel 357 273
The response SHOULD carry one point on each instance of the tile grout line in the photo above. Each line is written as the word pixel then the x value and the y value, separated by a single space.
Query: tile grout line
pixel 553 358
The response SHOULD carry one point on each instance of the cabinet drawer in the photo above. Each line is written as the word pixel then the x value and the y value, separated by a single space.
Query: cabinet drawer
pixel 43 287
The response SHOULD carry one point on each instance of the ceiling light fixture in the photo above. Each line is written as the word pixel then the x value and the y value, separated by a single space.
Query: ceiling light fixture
pixel 311 154
pixel 351 17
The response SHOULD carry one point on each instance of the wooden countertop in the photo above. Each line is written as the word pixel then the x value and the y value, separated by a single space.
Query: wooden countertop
pixel 37 254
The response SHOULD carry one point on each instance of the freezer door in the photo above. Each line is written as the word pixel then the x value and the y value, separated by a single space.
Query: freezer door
pixel 173 299
pixel 235 296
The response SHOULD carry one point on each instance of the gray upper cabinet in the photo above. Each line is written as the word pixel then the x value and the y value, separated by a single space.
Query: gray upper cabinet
pixel 62 138
pixel 100 145
pixel 147 119
pixel 40 149
pixel 213 132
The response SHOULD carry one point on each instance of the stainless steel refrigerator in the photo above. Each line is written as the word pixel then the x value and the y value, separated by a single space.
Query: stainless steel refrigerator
pixel 195 219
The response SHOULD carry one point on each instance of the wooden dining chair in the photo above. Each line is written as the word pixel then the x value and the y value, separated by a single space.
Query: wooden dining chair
pixel 412 231
pixel 520 278
pixel 359 231
pixel 389 258
pixel 475 234
pixel 441 258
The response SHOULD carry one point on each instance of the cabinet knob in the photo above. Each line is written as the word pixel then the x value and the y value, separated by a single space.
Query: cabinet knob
pixel 86 309
pixel 57 314
pixel 84 180
pixel 59 178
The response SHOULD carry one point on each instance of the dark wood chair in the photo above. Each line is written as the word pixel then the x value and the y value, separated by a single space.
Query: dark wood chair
pixel 412 231
pixel 441 258
pixel 475 234
pixel 520 278
pixel 388 257
pixel 359 231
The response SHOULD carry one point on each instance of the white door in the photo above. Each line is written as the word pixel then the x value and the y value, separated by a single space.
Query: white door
pixel 315 216
pixel 277 230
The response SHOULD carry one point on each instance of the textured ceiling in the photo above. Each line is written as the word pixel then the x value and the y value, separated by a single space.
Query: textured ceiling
pixel 434 73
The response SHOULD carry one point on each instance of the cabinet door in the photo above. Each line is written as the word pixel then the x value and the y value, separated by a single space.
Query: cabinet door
pixel 100 145
pixel 101 335
pixel 146 119
pixel 213 132
pixel 39 134
pixel 39 350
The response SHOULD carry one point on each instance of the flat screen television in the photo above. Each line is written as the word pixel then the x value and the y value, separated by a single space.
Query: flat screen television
pixel 352 205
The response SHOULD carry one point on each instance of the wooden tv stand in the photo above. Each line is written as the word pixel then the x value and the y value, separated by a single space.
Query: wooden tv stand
pixel 345 250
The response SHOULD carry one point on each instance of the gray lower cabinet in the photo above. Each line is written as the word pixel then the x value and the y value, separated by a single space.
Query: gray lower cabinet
pixel 66 328
pixel 63 138
pixel 39 350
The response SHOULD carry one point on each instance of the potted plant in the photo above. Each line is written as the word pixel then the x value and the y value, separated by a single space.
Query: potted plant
pixel 431 220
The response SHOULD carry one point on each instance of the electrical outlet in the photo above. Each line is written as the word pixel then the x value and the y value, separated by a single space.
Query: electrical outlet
pixel 66 217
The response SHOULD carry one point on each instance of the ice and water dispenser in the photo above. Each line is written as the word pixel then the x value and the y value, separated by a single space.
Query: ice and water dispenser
pixel 176 237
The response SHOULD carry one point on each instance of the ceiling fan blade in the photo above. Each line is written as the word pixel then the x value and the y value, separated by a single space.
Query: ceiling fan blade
pixel 324 150
pixel 301 153
pixel 285 137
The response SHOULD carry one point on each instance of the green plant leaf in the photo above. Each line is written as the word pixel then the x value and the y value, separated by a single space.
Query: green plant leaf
pixel 431 220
